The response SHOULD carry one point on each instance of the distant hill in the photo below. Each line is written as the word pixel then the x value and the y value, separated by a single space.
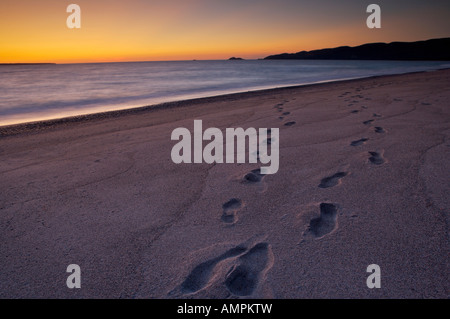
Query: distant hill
pixel 432 50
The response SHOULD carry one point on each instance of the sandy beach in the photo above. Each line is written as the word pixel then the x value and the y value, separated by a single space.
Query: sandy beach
pixel 363 179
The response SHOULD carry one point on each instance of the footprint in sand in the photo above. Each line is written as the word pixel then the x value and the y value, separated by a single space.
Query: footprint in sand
pixel 243 279
pixel 332 180
pixel 279 107
pixel 368 122
pixel 202 274
pixel 376 115
pixel 354 111
pixel 254 176
pixel 290 123
pixel 230 209
pixel 326 222
pixel 359 142
pixel 376 158
pixel 268 140
pixel 379 129
pixel 286 113
pixel 281 117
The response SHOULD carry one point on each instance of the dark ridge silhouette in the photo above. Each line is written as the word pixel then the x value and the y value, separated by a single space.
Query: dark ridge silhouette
pixel 235 59
pixel 431 50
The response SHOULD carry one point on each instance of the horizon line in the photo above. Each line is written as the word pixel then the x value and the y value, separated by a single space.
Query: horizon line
pixel 223 59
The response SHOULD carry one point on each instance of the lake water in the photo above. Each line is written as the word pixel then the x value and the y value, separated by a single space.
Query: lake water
pixel 36 92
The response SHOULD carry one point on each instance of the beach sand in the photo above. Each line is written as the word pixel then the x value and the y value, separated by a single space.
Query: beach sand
pixel 102 192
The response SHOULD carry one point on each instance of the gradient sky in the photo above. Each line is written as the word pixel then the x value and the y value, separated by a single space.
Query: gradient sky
pixel 142 30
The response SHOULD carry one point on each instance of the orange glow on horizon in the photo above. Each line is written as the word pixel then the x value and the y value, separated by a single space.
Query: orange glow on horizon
pixel 137 30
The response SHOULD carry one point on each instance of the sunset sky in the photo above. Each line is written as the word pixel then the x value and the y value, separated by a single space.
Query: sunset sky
pixel 142 30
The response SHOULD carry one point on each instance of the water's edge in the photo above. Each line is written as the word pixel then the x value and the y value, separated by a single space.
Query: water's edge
pixel 28 127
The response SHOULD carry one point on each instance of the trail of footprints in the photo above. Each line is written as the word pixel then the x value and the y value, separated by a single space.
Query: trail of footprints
pixel 327 220
pixel 249 265
pixel 279 108
pixel 375 157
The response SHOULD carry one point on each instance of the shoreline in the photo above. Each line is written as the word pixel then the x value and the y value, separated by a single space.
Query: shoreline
pixel 32 126
pixel 362 180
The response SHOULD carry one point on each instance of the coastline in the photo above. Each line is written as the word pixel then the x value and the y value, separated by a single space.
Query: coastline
pixel 362 180
pixel 32 126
